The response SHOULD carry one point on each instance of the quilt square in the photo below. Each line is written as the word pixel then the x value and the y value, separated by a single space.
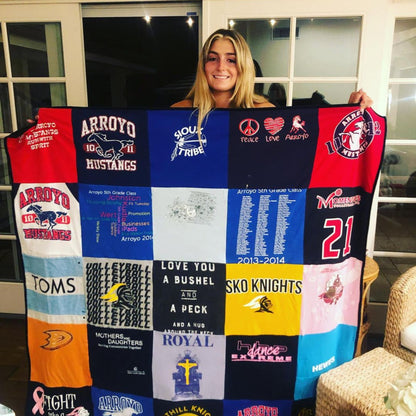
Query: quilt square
pixel 119 292
pixel 337 222
pixel 112 146
pixel 188 366
pixel 319 353
pixel 266 363
pixel 331 296
pixel 107 402
pixel 58 400
pixel 189 224
pixel 116 222
pixel 179 157
pixel 48 219
pixel 349 148
pixel 265 226
pixel 55 289
pixel 122 359
pixel 59 354
pixel 195 408
pixel 263 299
pixel 45 153
pixel 270 149
pixel 189 297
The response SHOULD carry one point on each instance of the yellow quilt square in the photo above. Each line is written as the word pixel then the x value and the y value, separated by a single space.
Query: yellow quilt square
pixel 263 299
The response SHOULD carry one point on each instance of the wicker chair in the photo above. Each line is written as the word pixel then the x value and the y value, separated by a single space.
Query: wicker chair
pixel 358 387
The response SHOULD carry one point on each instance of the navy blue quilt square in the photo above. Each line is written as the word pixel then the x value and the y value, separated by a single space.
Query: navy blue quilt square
pixel 271 148
pixel 112 146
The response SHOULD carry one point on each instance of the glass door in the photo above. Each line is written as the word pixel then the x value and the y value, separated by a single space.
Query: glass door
pixel 395 236
pixel 136 54
pixel 140 55
pixel 35 71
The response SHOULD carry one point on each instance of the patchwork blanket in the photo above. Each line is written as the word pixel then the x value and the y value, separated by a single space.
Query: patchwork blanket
pixel 175 273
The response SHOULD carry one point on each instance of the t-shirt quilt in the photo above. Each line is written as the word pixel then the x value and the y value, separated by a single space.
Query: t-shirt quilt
pixel 174 273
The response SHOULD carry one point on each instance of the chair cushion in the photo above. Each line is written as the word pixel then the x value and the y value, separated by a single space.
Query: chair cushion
pixel 408 337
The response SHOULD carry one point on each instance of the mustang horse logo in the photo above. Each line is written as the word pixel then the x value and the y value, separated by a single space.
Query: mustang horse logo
pixel 48 217
pixel 109 148
pixel 297 124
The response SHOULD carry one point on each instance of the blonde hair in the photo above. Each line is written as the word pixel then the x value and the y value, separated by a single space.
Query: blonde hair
pixel 243 96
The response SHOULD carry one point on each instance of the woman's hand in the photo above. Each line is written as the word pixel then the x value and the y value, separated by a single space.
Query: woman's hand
pixel 35 116
pixel 360 97
pixel 33 120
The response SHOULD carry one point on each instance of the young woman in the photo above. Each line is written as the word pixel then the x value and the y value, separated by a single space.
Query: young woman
pixel 225 77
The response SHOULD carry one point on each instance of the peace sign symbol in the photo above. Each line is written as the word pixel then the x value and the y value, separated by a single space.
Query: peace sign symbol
pixel 249 127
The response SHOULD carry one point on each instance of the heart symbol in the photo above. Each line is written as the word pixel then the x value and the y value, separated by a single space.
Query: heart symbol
pixel 274 125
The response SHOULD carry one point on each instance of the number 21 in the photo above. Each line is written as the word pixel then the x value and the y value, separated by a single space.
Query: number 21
pixel 337 225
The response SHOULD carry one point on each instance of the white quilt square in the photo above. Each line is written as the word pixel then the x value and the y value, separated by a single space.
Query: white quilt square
pixel 189 224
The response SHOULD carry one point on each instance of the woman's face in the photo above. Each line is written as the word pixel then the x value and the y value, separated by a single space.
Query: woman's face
pixel 221 66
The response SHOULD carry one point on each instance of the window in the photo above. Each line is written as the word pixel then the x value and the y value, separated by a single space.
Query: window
pixel 395 239
pixel 31 76
pixel 291 65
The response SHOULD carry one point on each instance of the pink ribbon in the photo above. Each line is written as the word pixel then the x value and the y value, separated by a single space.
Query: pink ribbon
pixel 38 400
